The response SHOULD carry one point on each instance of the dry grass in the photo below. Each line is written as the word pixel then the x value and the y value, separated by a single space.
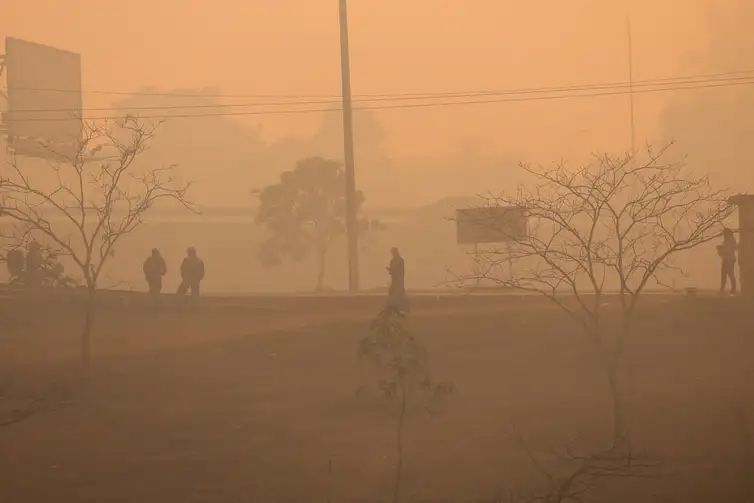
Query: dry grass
pixel 251 399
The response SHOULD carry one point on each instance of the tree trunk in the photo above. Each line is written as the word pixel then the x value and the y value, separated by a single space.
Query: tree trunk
pixel 399 446
pixel 620 433
pixel 615 368
pixel 87 330
pixel 321 264
pixel 608 360
pixel 747 464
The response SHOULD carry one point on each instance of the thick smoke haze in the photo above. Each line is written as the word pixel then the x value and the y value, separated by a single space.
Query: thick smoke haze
pixel 290 47
pixel 539 287
pixel 405 158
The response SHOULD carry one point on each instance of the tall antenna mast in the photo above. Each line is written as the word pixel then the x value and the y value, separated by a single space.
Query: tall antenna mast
pixel 631 85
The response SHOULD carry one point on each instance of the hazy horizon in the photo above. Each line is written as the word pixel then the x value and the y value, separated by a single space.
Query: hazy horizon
pixel 539 287
pixel 291 47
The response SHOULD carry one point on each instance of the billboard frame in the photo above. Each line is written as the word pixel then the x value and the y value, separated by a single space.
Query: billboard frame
pixel 473 230
pixel 43 117
pixel 519 230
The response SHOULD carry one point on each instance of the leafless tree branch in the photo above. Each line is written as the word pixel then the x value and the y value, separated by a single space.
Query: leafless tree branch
pixel 100 195
pixel 615 223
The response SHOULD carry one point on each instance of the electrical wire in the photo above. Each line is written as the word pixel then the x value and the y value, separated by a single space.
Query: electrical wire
pixel 393 95
pixel 658 88
pixel 591 87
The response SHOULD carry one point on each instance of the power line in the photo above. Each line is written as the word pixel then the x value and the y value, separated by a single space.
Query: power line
pixel 415 95
pixel 177 107
pixel 557 97
pixel 590 87
pixel 624 83
pixel 666 88
pixel 593 86
pixel 167 94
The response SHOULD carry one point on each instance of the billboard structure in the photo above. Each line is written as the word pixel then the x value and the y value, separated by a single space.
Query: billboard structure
pixel 491 225
pixel 43 117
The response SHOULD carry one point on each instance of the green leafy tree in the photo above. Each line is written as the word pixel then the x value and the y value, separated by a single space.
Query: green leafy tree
pixel 304 212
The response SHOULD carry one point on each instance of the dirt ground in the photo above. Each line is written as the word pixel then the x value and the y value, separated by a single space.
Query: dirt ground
pixel 253 400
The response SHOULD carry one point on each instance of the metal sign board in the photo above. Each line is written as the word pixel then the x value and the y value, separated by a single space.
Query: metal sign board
pixel 491 225
pixel 44 99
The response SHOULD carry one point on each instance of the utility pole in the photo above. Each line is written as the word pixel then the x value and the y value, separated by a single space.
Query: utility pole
pixel 352 230
pixel 631 85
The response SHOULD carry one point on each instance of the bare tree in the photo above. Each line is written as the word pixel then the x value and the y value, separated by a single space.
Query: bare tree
pixel 613 225
pixel 84 204
pixel 570 475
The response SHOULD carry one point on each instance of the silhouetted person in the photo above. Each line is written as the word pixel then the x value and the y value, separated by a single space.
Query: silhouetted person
pixel 192 273
pixel 34 265
pixel 16 264
pixel 727 252
pixel 154 269
pixel 397 270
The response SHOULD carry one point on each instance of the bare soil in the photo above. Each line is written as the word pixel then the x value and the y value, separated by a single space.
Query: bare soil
pixel 253 400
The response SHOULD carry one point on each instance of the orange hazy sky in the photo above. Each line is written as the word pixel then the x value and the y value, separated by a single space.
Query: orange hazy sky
pixel 291 46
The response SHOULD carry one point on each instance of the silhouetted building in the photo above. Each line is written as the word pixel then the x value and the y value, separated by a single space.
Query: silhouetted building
pixel 727 252
pixel 745 203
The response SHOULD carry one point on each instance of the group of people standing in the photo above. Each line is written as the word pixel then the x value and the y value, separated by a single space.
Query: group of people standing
pixel 192 272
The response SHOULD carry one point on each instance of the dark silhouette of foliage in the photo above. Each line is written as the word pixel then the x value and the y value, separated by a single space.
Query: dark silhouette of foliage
pixel 52 270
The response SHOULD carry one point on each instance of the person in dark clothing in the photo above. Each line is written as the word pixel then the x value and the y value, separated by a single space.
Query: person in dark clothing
pixel 34 266
pixel 397 271
pixel 154 269
pixel 16 264
pixel 192 273
pixel 727 253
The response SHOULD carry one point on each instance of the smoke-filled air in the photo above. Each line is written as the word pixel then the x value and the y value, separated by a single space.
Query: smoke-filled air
pixel 347 251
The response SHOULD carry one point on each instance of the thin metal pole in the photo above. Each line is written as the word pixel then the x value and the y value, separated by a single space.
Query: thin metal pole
pixel 510 260
pixel 351 201
pixel 631 85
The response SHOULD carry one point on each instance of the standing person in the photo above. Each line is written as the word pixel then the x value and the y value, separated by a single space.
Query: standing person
pixel 727 252
pixel 16 264
pixel 34 265
pixel 154 269
pixel 397 270
pixel 192 273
